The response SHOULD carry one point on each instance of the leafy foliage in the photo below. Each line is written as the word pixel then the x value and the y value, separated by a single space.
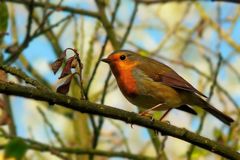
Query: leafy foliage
pixel 16 148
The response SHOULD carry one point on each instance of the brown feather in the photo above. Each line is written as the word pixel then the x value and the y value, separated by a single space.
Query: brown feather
pixel 146 82
pixel 160 72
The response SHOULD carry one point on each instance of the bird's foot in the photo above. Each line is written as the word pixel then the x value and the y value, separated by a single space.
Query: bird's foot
pixel 150 109
pixel 145 114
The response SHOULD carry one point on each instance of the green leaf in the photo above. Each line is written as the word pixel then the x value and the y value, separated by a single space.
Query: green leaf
pixel 16 148
pixel 3 20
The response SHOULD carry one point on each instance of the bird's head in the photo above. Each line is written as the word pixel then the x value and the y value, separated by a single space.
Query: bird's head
pixel 122 58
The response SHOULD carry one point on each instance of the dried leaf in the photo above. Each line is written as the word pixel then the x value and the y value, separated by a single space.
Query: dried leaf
pixel 72 49
pixel 58 63
pixel 67 68
pixel 74 63
pixel 64 88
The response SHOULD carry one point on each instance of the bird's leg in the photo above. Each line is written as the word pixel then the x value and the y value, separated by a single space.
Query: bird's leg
pixel 150 109
pixel 164 115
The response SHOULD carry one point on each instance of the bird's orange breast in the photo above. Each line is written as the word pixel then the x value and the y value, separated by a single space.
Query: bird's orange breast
pixel 125 78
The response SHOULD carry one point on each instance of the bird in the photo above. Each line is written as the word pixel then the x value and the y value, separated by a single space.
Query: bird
pixel 152 85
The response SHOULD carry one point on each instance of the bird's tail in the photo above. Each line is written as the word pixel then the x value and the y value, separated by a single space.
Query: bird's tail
pixel 218 114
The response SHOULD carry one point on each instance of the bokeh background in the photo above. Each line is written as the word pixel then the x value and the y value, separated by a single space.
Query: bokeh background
pixel 191 37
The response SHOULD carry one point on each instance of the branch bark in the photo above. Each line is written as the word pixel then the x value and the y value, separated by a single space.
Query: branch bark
pixel 114 113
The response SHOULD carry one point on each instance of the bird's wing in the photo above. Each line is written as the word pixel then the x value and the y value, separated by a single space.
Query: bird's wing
pixel 160 72
pixel 172 79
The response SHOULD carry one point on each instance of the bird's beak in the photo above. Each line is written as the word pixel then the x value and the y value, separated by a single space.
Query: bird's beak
pixel 106 60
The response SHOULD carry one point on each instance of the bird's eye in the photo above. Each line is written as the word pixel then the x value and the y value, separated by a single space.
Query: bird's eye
pixel 122 57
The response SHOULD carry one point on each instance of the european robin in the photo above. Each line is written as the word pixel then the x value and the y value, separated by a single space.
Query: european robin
pixel 152 85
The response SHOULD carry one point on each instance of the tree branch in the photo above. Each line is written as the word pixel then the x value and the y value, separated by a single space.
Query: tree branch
pixel 62 8
pixel 110 112
pixel 107 25
pixel 148 2
pixel 22 75
pixel 39 146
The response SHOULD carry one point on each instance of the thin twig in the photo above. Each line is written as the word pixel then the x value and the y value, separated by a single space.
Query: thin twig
pixel 29 24
pixel 42 31
pixel 57 7
pixel 134 13
pixel 98 128
pixel 17 50
pixel 203 116
pixel 90 52
pixel 39 146
pixel 22 75
pixel 96 65
pixel 124 138
pixel 107 25
pixel 55 133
